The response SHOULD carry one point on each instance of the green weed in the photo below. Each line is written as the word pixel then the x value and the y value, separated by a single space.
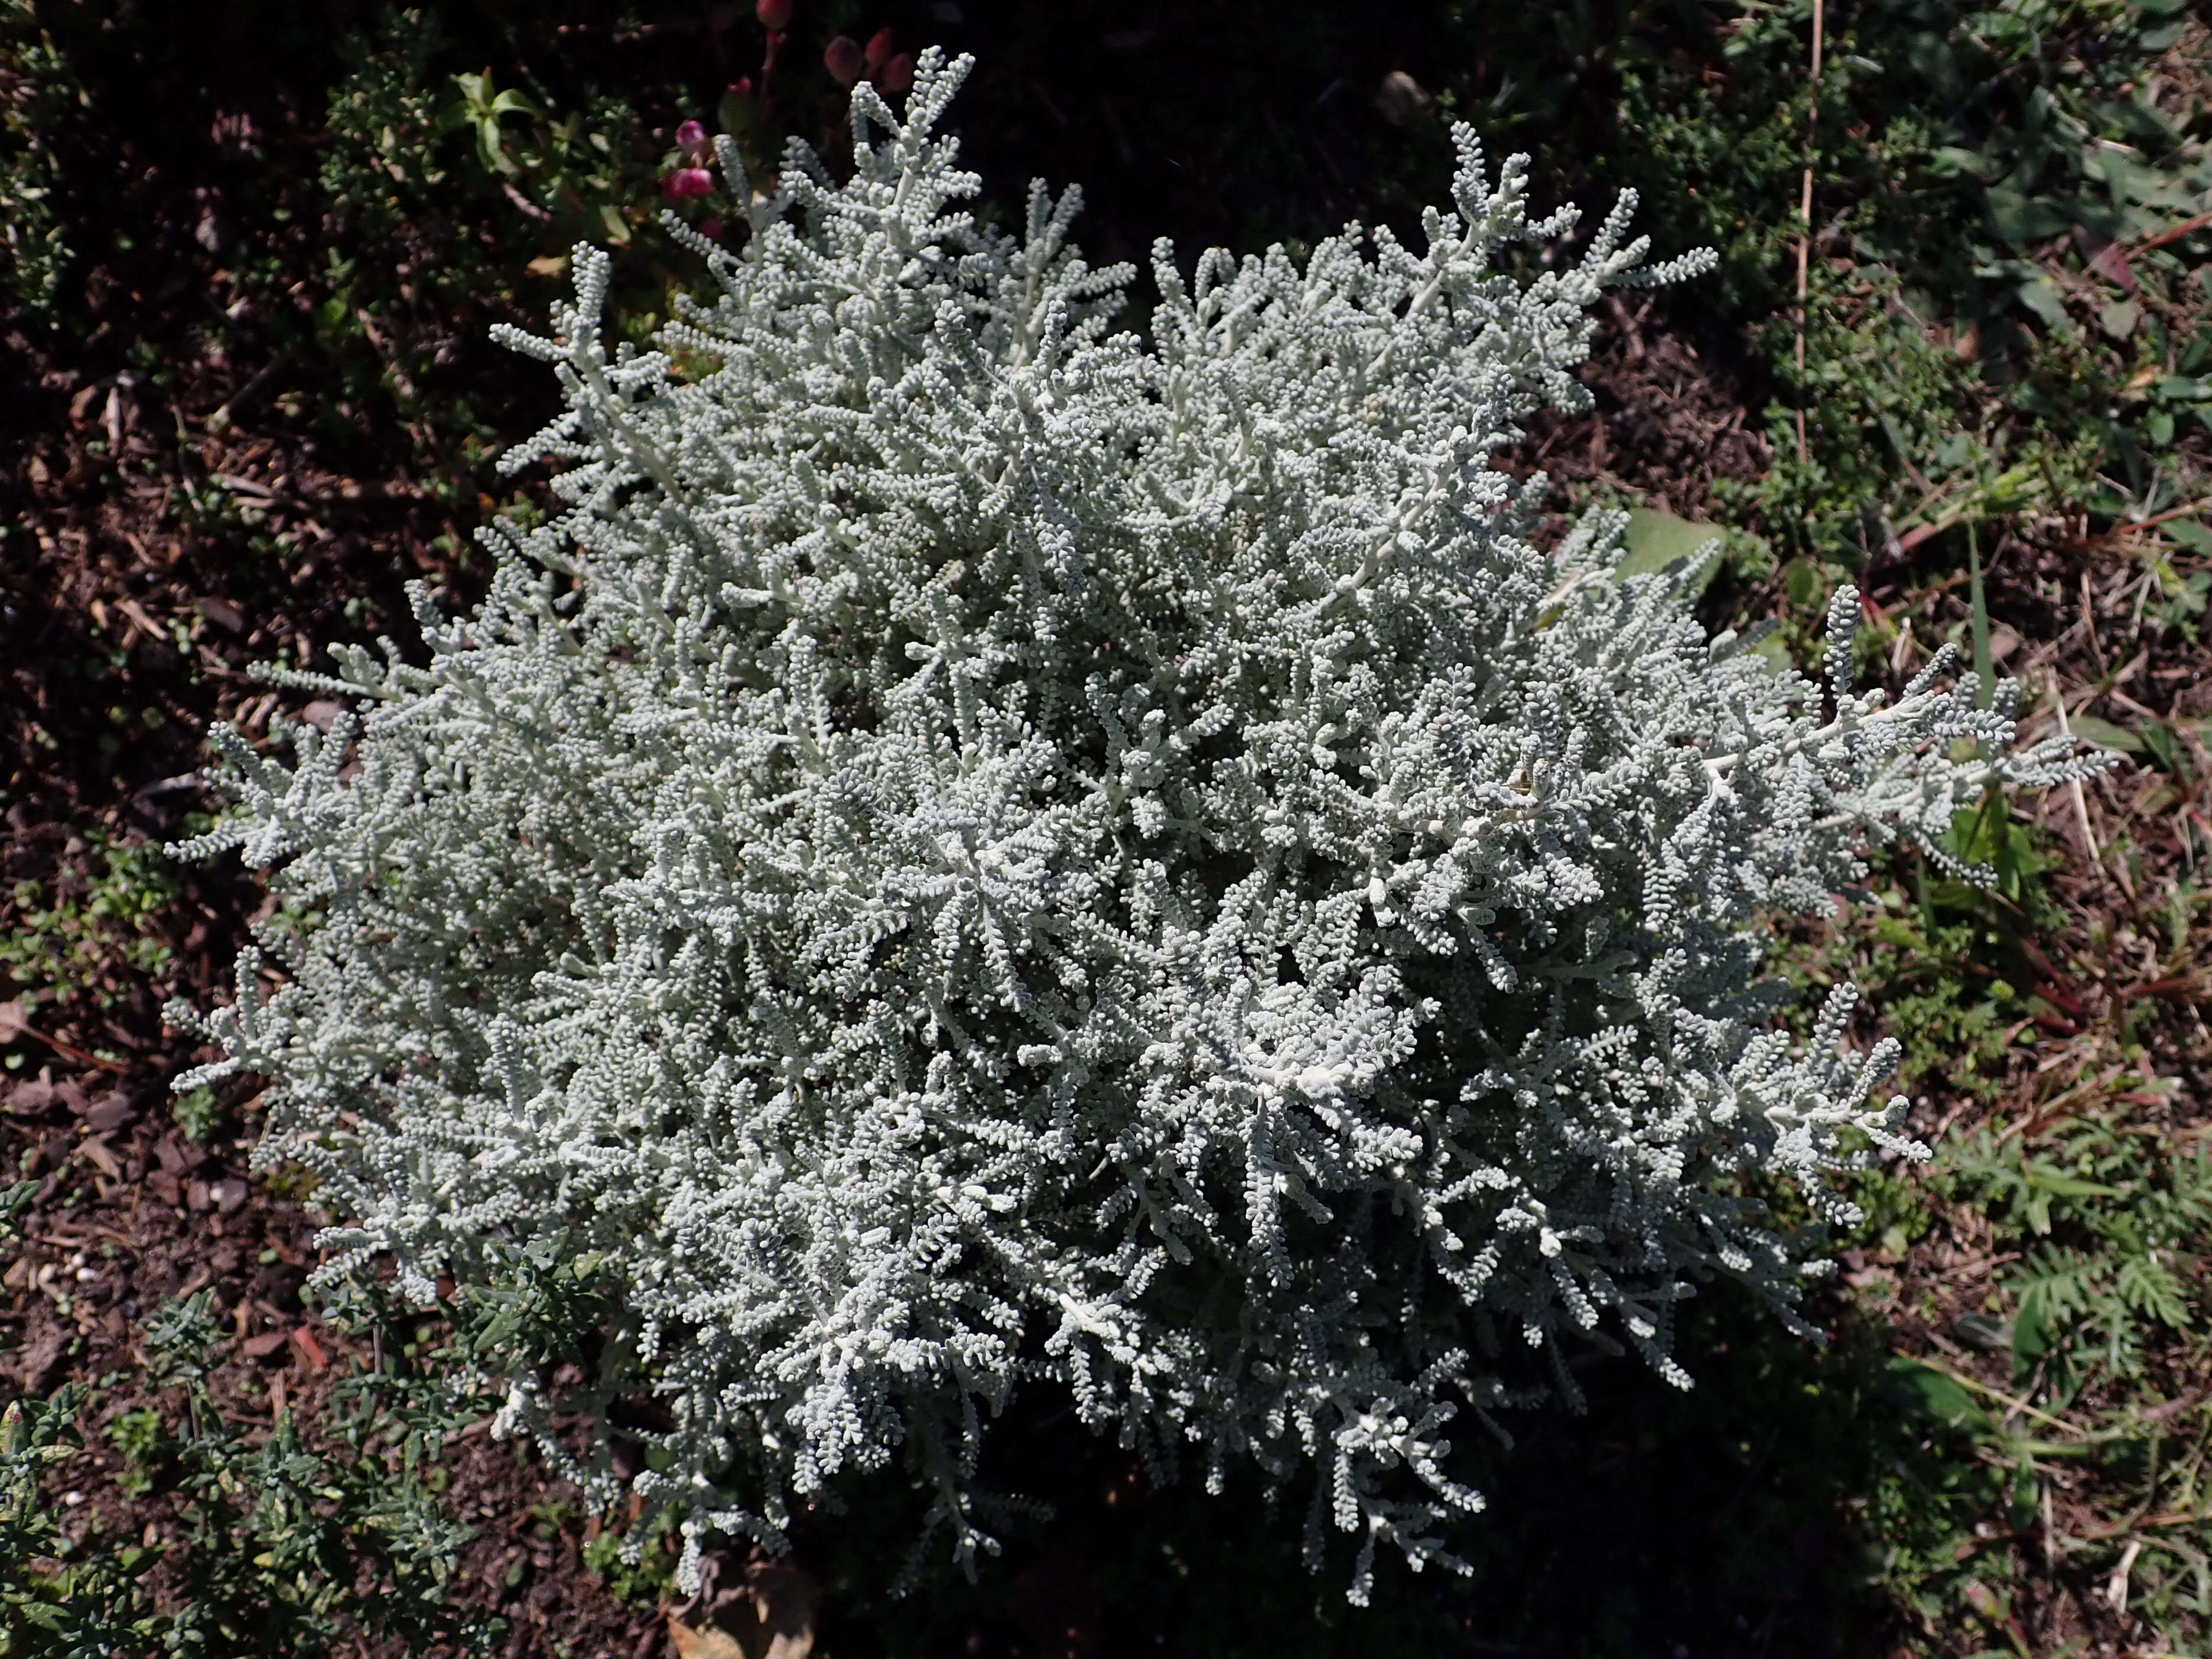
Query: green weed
pixel 199 1114
pixel 2113 1217
pixel 68 936
pixel 636 1569
pixel 36 90
pixel 2001 303
pixel 453 198
pixel 281 1544
pixel 138 1436
pixel 57 1607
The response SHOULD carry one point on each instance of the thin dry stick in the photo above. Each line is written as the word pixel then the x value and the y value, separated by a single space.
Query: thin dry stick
pixel 2081 803
pixel 1805 218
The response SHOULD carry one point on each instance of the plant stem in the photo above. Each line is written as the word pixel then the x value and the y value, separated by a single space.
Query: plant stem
pixel 1984 675
pixel 1805 215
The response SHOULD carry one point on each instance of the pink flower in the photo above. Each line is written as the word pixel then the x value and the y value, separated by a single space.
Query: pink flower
pixel 879 50
pixel 687 181
pixel 775 14
pixel 898 74
pixel 711 229
pixel 842 59
pixel 691 138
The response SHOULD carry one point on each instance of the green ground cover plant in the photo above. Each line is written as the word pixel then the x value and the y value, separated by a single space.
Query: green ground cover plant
pixel 281 1545
pixel 2004 313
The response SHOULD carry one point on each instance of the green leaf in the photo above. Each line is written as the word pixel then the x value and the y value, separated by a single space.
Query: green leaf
pixel 1936 1394
pixel 2066 1186
pixel 2041 296
pixel 2150 1288
pixel 2191 534
pixel 1949 161
pixel 2033 1327
pixel 2164 750
pixel 13 1202
pixel 2129 179
pixel 2105 734
pixel 1657 541
pixel 2022 219
pixel 1802 582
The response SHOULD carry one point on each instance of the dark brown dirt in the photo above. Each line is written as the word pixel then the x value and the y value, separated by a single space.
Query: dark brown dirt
pixel 1677 410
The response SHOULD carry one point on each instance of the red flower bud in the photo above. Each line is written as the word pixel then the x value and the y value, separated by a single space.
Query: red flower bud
pixel 898 74
pixel 879 50
pixel 841 58
pixel 711 229
pixel 687 181
pixel 775 14
pixel 740 87
pixel 691 136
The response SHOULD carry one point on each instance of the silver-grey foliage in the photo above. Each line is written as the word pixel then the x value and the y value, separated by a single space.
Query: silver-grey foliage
pixel 980 852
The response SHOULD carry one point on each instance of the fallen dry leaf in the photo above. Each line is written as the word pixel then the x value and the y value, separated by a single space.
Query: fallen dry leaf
pixel 704 1642
pixel 94 1150
pixel 771 1614
pixel 785 1600
pixel 111 1110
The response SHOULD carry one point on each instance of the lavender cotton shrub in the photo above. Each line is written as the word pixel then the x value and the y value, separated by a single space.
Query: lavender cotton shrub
pixel 981 852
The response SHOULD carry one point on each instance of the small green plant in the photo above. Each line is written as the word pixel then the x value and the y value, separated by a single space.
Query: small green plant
pixel 2002 297
pixel 641 1568
pixel 466 181
pixel 138 1436
pixel 2111 1218
pixel 66 938
pixel 199 1114
pixel 60 1602
pixel 284 1544
pixel 286 1547
pixel 1948 959
pixel 36 90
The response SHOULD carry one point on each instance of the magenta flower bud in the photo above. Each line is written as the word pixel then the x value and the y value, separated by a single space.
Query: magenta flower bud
pixel 842 59
pixel 879 50
pixel 691 136
pixel 775 14
pixel 687 181
pixel 711 228
pixel 898 74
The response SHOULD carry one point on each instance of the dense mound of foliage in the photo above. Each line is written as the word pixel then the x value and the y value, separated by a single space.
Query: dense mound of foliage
pixel 981 852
